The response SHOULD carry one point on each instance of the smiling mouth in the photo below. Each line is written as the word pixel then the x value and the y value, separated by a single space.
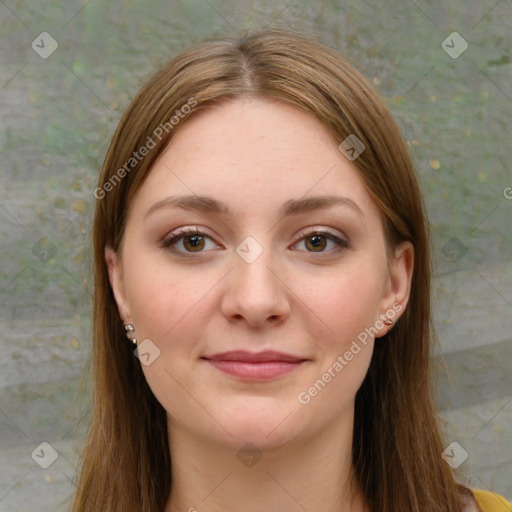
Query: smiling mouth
pixel 255 366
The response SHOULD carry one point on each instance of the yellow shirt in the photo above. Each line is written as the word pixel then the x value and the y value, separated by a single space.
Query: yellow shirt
pixel 491 502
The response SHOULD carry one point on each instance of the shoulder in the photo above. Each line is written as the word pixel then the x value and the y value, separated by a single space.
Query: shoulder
pixel 491 502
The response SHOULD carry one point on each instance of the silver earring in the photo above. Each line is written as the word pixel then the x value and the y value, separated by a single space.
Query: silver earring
pixel 388 321
pixel 130 329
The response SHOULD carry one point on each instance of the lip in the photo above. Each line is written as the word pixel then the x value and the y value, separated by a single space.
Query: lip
pixel 257 366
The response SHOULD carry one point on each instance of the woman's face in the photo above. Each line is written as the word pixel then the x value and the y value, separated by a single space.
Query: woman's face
pixel 257 180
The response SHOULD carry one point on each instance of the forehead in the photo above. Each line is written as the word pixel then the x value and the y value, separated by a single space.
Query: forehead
pixel 253 155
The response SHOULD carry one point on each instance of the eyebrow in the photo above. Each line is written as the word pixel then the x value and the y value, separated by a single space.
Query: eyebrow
pixel 207 204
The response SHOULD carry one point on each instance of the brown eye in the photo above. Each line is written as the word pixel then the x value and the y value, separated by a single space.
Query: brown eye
pixel 186 241
pixel 317 241
pixel 193 243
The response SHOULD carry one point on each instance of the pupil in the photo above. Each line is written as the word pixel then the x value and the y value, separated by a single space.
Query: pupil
pixel 317 241
pixel 195 240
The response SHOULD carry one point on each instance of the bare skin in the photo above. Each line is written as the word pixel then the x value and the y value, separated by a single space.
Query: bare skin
pixel 239 442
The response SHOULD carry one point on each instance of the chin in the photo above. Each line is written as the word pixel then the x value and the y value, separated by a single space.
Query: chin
pixel 258 439
pixel 265 429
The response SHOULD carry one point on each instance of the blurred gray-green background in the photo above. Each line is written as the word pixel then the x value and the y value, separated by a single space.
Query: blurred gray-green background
pixel 59 111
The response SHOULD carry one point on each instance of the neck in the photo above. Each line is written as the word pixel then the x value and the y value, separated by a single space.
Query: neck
pixel 303 474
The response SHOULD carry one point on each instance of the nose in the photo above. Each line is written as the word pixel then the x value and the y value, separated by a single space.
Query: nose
pixel 256 291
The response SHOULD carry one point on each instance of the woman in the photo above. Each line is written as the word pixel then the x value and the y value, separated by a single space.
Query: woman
pixel 260 241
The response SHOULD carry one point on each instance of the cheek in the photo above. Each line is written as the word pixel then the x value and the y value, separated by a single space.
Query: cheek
pixel 346 302
pixel 163 298
pixel 347 305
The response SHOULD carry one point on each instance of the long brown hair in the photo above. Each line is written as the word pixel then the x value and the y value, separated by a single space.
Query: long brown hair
pixel 397 446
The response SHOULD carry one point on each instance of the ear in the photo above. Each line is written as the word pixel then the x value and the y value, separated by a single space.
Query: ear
pixel 398 285
pixel 116 278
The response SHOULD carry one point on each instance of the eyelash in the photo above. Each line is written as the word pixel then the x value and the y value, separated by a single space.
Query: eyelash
pixel 175 237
